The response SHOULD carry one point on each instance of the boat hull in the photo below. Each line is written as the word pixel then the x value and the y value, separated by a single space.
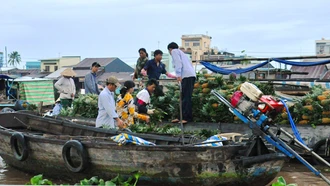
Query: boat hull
pixel 157 165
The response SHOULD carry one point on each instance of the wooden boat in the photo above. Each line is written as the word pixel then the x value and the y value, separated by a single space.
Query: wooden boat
pixel 62 149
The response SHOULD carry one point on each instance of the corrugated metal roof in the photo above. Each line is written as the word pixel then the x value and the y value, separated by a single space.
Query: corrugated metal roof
pixel 56 74
pixel 121 76
pixel 313 71
pixel 326 76
pixel 87 62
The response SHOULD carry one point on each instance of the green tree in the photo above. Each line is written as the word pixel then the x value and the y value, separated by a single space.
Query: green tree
pixel 14 58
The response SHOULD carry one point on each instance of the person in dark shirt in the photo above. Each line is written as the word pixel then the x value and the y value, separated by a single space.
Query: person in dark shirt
pixel 154 67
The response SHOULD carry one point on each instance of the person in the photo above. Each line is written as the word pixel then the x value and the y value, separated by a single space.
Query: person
pixel 91 86
pixel 107 106
pixel 126 107
pixel 143 97
pixel 154 67
pixel 142 60
pixel 57 108
pixel 186 75
pixel 66 87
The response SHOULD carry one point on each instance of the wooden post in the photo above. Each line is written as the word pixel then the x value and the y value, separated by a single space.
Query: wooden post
pixel 40 107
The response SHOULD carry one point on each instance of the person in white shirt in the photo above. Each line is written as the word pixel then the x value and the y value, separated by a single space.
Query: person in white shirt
pixel 66 87
pixel 186 75
pixel 107 105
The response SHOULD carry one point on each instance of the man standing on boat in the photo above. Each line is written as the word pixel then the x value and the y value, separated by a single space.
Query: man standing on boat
pixel 186 75
pixel 91 86
pixel 107 106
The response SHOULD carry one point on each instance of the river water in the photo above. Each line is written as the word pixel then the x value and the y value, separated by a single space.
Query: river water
pixel 292 173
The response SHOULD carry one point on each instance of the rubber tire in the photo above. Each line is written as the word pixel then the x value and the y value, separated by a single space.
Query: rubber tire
pixel 82 152
pixel 15 139
pixel 7 110
pixel 316 148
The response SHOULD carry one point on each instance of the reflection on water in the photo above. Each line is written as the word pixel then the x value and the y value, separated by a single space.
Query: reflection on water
pixel 293 173
pixel 9 175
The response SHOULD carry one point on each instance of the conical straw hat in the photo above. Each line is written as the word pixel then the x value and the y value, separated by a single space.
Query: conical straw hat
pixel 68 72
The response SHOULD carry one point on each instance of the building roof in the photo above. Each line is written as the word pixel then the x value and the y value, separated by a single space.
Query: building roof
pixel 87 62
pixel 56 74
pixel 7 68
pixel 314 72
pixel 121 76
pixel 21 79
pixel 39 75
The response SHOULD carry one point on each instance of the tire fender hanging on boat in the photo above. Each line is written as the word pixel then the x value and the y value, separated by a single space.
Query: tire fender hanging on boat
pixel 19 146
pixel 82 153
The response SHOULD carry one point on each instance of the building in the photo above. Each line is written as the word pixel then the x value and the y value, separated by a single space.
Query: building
pixel 1 59
pixel 33 64
pixel 196 45
pixel 112 65
pixel 322 47
pixel 51 65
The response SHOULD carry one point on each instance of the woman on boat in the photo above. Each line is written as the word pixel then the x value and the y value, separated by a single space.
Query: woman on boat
pixel 142 60
pixel 66 87
pixel 126 107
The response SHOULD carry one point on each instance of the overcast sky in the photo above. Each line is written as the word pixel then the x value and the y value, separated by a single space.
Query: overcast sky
pixel 118 28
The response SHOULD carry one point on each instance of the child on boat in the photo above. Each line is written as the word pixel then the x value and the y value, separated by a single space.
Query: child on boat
pixel 126 107
pixel 143 97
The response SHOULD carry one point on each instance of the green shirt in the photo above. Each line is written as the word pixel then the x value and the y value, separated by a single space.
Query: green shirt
pixel 139 66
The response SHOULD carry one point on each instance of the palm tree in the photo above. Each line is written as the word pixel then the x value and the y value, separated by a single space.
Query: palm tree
pixel 14 58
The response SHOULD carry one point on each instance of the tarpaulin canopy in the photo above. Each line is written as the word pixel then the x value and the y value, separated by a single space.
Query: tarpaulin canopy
pixel 37 91
pixel 225 71
pixel 302 64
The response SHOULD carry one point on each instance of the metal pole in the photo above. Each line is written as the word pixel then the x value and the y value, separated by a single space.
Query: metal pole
pixel 306 148
pixel 181 114
pixel 6 55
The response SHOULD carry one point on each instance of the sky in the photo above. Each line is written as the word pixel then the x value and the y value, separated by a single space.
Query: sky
pixel 40 29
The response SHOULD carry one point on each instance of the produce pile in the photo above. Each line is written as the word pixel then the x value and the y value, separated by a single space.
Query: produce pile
pixel 313 109
pixel 206 107
pixel 83 106
pixel 170 129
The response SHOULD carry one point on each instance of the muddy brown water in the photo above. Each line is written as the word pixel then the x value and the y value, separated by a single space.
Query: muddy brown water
pixel 292 172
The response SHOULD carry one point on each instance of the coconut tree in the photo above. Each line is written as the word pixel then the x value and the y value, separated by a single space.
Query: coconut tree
pixel 14 58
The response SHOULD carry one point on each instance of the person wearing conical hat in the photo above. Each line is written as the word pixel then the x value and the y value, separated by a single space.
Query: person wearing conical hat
pixel 66 87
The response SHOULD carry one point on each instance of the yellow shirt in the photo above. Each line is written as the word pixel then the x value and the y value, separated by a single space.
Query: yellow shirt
pixel 126 110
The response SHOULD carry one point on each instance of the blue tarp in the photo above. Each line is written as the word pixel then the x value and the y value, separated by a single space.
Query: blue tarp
pixel 3 76
pixel 302 64
pixel 225 71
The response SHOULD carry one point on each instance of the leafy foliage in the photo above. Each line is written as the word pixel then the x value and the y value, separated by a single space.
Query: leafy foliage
pixel 206 107
pixel 171 130
pixel 84 105
pixel 281 182
pixel 14 58
pixel 313 109
pixel 118 180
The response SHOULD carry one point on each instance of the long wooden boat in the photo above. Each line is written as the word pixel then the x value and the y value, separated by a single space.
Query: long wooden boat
pixel 62 149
